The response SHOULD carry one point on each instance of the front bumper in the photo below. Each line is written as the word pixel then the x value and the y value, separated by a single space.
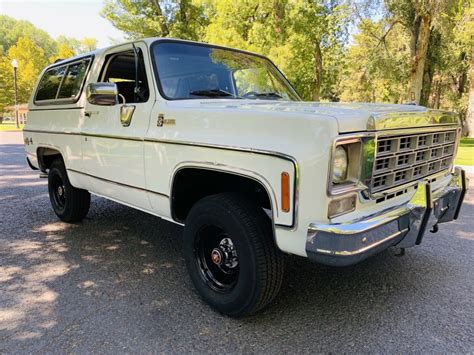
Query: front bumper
pixel 404 226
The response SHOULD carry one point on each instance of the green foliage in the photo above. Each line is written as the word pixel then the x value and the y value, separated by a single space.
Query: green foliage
pixel 11 30
pixel 31 60
pixel 307 40
pixel 33 49
pixel 376 66
pixel 152 18
pixel 294 34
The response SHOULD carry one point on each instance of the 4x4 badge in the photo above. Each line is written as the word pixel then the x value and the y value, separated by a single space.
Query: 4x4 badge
pixel 162 121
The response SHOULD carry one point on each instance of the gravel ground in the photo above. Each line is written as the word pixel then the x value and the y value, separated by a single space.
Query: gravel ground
pixel 117 283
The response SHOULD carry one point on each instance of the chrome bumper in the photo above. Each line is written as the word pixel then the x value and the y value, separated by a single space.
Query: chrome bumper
pixel 404 226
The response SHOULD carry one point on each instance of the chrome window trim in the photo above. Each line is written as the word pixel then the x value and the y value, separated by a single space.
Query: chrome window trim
pixel 66 64
pixel 171 40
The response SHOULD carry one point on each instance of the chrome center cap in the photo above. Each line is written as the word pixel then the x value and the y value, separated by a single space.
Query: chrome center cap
pixel 60 190
pixel 216 256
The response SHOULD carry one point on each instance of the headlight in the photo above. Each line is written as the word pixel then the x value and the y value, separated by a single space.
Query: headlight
pixel 339 165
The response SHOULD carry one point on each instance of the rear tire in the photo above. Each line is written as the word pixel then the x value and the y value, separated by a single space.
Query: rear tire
pixel 69 204
pixel 231 255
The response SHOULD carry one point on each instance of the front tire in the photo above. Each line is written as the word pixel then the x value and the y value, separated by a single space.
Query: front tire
pixel 231 255
pixel 69 203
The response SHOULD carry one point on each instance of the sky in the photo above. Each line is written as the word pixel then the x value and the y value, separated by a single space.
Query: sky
pixel 71 18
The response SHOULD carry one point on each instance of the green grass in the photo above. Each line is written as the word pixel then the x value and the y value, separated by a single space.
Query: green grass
pixel 465 152
pixel 9 126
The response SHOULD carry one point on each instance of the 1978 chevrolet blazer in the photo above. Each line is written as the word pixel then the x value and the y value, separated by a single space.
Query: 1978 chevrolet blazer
pixel 217 140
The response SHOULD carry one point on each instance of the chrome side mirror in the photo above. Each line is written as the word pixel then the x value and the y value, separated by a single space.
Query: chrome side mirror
pixel 102 93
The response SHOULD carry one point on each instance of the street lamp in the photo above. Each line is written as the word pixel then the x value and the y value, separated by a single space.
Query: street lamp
pixel 15 68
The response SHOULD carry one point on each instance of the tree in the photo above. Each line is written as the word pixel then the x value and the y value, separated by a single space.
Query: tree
pixel 6 89
pixel 464 43
pixel 377 64
pixel 323 25
pixel 88 45
pixel 305 39
pixel 419 17
pixel 31 60
pixel 11 30
pixel 34 49
pixel 152 18
pixel 64 51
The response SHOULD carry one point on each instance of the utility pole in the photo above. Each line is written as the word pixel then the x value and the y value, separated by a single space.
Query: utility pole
pixel 15 68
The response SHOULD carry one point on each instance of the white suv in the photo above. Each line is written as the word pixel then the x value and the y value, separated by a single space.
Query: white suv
pixel 217 140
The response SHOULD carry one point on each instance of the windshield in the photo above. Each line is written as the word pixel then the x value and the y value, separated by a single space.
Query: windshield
pixel 191 71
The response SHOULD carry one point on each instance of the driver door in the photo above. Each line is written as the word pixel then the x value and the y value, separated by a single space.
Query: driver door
pixel 112 142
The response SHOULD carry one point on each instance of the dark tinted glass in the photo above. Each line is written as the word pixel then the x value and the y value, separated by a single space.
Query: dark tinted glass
pixel 49 84
pixel 73 81
pixel 121 70
pixel 188 71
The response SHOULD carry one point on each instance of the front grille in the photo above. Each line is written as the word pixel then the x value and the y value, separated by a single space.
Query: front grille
pixel 401 159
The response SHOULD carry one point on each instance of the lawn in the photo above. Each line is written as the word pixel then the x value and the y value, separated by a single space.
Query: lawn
pixel 9 126
pixel 465 152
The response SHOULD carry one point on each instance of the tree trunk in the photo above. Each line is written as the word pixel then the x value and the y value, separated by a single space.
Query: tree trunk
pixel 278 15
pixel 469 126
pixel 426 88
pixel 318 71
pixel 419 49
pixel 183 8
pixel 437 97
pixel 433 46
pixel 161 19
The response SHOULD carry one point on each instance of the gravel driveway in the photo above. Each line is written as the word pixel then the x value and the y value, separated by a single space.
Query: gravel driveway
pixel 117 283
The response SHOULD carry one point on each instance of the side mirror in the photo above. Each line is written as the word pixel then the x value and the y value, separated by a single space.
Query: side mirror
pixel 102 93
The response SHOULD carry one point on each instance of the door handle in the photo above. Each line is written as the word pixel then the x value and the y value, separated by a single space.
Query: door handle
pixel 90 113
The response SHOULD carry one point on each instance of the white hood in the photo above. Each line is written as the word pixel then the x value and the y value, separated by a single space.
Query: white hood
pixel 350 117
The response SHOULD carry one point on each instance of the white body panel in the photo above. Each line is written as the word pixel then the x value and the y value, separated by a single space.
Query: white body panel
pixel 260 139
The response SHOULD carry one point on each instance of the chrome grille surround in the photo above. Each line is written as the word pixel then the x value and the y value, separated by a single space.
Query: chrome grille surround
pixel 402 158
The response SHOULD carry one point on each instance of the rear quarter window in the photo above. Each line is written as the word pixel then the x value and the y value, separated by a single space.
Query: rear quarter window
pixel 49 84
pixel 62 84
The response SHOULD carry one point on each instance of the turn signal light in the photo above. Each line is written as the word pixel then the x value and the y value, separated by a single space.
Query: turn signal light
pixel 341 206
pixel 285 192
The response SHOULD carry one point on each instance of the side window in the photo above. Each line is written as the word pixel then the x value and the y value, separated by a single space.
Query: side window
pixel 73 80
pixel 63 83
pixel 121 69
pixel 49 84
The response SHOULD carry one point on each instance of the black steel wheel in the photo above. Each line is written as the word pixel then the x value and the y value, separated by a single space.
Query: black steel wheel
pixel 231 255
pixel 59 192
pixel 216 258
pixel 69 203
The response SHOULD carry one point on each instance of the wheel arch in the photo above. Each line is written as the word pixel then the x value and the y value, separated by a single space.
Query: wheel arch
pixel 186 171
pixel 46 155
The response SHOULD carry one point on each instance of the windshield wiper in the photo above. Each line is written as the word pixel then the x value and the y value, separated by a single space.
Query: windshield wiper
pixel 269 94
pixel 211 93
